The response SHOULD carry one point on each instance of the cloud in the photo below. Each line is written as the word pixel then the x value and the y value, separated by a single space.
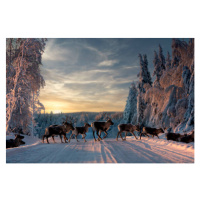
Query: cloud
pixel 91 73
pixel 108 63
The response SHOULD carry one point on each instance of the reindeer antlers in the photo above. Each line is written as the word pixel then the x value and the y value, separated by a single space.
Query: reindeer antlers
pixel 71 119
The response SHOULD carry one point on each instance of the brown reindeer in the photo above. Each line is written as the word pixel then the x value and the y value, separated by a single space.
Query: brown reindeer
pixel 60 130
pixel 80 130
pixel 102 127
pixel 151 131
pixel 188 138
pixel 174 136
pixel 16 142
pixel 127 128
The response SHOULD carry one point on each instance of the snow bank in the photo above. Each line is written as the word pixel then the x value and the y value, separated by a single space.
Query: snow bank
pixel 168 143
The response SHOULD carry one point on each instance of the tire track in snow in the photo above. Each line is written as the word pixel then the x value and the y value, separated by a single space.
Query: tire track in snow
pixel 105 151
pixel 169 155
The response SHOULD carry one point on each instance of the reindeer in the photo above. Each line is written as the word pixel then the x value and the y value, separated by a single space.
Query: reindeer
pixel 53 130
pixel 188 138
pixel 151 131
pixel 174 136
pixel 127 128
pixel 16 142
pixel 80 130
pixel 102 127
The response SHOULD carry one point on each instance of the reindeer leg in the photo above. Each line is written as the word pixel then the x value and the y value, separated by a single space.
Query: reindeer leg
pixel 76 138
pixel 125 135
pixel 84 138
pixel 134 135
pixel 65 138
pixel 99 138
pixel 147 135
pixel 120 133
pixel 157 136
pixel 100 133
pixel 53 138
pixel 117 136
pixel 61 139
pixel 140 135
pixel 106 134
pixel 94 136
pixel 43 138
pixel 47 139
pixel 143 133
pixel 70 137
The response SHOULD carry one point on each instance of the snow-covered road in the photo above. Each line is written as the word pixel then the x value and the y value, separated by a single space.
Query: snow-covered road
pixel 151 150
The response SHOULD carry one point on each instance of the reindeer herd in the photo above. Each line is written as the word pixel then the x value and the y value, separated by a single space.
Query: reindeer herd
pixel 99 127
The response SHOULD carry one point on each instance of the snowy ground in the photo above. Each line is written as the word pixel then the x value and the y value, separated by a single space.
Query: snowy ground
pixel 151 150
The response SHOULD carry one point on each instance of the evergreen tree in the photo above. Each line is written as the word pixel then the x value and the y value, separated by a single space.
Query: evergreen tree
pixel 147 78
pixel 168 61
pixel 144 78
pixel 140 108
pixel 144 75
pixel 157 69
pixel 161 58
pixel 159 64
pixel 131 105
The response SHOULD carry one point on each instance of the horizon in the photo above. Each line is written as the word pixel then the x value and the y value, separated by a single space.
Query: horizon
pixel 93 74
pixel 81 112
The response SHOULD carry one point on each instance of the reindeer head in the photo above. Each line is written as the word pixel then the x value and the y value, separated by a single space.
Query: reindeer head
pixel 19 136
pixel 87 125
pixel 161 130
pixel 137 127
pixel 69 125
pixel 110 121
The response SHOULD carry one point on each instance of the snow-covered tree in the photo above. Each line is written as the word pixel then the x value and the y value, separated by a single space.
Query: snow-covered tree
pixel 25 80
pixel 144 84
pixel 170 101
pixel 144 75
pixel 147 76
pixel 130 111
pixel 157 69
pixel 168 61
pixel 159 65
pixel 35 107
pixel 141 105
pixel 83 119
pixel 161 58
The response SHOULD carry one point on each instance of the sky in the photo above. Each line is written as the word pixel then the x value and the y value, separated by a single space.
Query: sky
pixel 93 74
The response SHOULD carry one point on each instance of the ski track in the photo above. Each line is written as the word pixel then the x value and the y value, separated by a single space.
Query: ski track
pixel 105 151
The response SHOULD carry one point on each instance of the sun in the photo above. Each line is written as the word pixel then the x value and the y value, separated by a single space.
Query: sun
pixel 57 111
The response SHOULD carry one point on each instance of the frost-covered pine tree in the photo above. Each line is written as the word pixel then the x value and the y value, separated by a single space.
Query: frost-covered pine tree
pixel 159 65
pixel 157 69
pixel 144 75
pixel 130 111
pixel 147 76
pixel 141 105
pixel 143 85
pixel 26 79
pixel 161 58
pixel 168 61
